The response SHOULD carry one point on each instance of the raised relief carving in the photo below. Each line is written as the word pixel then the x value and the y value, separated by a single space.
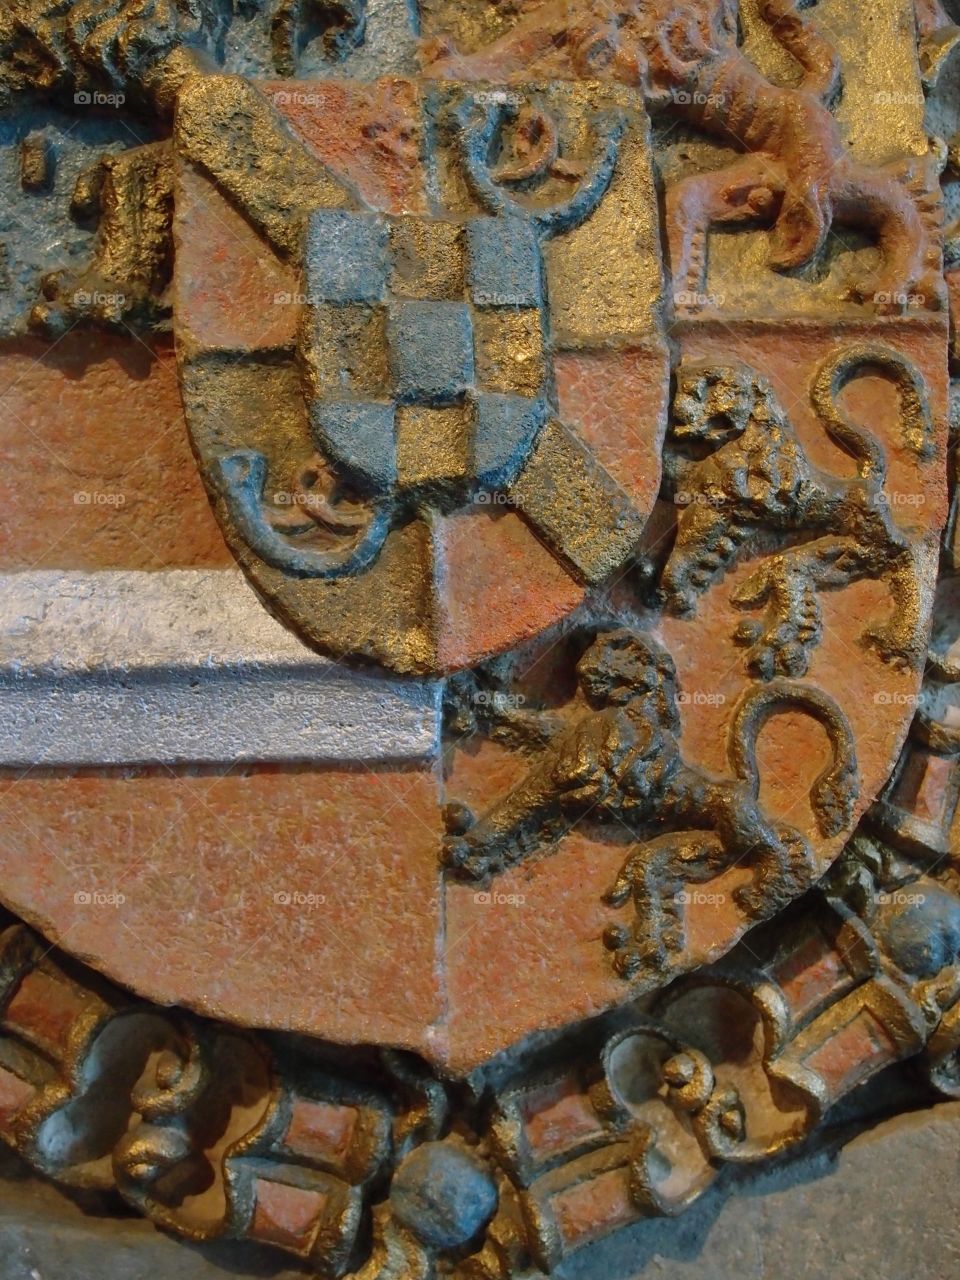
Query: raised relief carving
pixel 424 350
pixel 621 761
pixel 108 56
pixel 731 1065
pixel 467 420
pixel 740 473
pixel 795 176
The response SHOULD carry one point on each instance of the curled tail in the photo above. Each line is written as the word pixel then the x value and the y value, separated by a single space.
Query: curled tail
pixel 815 54
pixel 834 791
pixel 834 374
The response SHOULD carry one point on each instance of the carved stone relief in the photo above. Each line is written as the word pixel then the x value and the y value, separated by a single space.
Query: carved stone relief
pixel 480 757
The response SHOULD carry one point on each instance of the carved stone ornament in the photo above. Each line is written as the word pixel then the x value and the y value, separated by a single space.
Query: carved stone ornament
pixel 479 606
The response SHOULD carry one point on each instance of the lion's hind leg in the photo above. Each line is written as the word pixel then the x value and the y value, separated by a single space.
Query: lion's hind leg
pixel 654 876
pixel 786 587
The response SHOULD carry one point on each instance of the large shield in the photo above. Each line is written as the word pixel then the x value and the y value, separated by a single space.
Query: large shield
pixel 422 347
pixel 423 351
pixel 621 796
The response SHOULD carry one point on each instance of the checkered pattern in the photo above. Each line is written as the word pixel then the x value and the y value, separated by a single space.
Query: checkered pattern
pixel 450 303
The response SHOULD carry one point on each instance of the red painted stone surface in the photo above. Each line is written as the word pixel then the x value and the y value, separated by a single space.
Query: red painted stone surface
pixel 286 1215
pixel 927 786
pixel 273 897
pixel 810 974
pixel 368 135
pixel 96 470
pixel 389 954
pixel 44 1011
pixel 319 1130
pixel 592 1208
pixel 499 584
pixel 563 1120
pixel 14 1095
pixel 617 402
pixel 851 1053
pixel 234 291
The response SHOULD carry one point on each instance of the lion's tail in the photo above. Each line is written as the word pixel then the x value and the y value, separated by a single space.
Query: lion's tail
pixel 917 424
pixel 835 789
pixel 804 41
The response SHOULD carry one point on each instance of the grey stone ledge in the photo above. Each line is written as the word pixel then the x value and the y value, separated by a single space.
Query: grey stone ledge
pixel 185 666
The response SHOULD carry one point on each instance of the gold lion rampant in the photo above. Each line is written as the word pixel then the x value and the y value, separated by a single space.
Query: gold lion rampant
pixel 756 479
pixel 621 761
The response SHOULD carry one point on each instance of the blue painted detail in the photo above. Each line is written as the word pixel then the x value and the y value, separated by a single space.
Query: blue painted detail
pixel 360 436
pixel 921 935
pixel 505 428
pixel 443 1194
pixel 503 262
pixel 240 476
pixel 431 351
pixel 477 133
pixel 346 256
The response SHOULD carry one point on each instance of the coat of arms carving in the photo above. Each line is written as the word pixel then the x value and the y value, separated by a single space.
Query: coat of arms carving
pixel 498 669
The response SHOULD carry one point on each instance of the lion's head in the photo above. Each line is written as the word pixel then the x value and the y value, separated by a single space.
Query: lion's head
pixel 714 403
pixel 622 665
